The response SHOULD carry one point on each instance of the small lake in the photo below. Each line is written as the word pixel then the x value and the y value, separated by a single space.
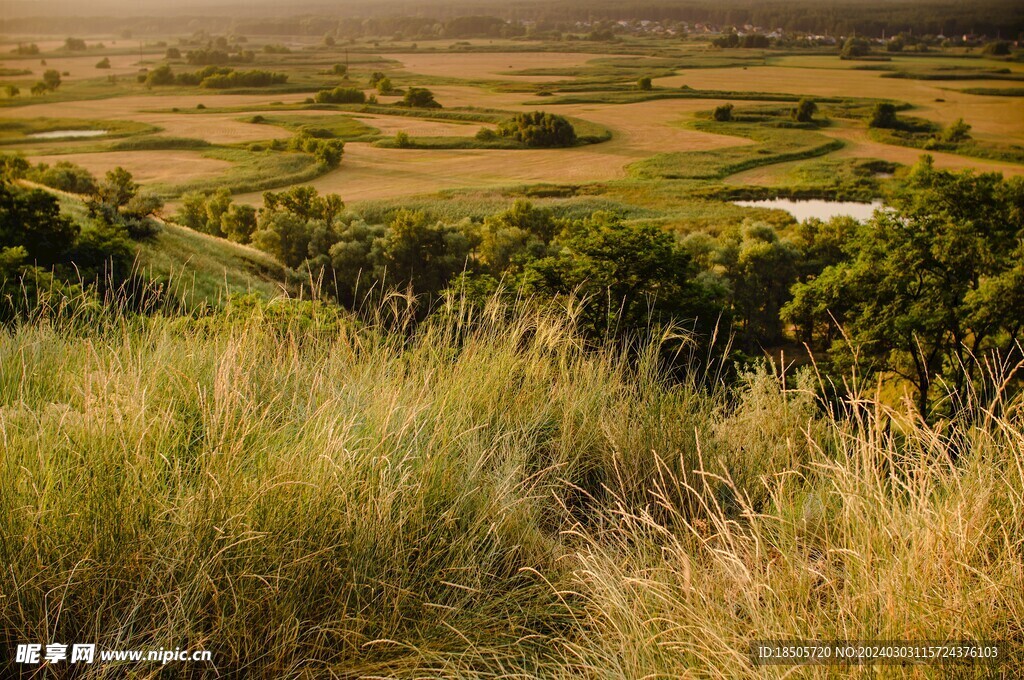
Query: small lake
pixel 65 134
pixel 823 210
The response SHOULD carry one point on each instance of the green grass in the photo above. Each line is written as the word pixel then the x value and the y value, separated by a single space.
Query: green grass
pixel 923 137
pixel 250 171
pixel 770 145
pixel 158 142
pixel 341 127
pixel 301 493
pixel 995 91
pixel 450 142
pixel 202 269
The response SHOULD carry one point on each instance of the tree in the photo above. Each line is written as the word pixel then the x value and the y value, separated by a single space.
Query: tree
pixel 103 63
pixel 760 268
pixel 644 83
pixel 239 223
pixel 805 110
pixel 341 95
pixel 117 188
pixel 627 278
pixel 958 132
pixel 419 98
pixel 329 40
pixel 74 44
pixel 384 86
pixel 884 116
pixel 340 70
pixel 284 235
pixel 421 254
pixel 12 90
pixel 999 48
pixel 515 237
pixel 66 177
pixel 51 78
pixel 172 53
pixel 723 113
pixel 854 48
pixel 539 129
pixel 928 286
pixel 31 220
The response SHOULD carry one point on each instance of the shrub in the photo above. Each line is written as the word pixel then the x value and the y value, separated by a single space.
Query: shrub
pixel 722 113
pixel 103 63
pixel 644 83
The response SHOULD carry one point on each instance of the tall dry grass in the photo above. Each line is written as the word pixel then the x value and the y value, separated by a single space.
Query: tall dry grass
pixel 308 495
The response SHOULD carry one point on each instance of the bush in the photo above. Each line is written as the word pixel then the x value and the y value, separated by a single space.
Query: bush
pixel 722 113
pixel 103 63
pixel 644 83
pixel 539 129
pixel 402 140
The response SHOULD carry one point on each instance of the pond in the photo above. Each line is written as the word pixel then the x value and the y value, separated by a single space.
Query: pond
pixel 65 134
pixel 823 210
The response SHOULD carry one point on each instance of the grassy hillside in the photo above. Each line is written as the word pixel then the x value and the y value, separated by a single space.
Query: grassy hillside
pixel 307 496
pixel 201 269
pixel 205 268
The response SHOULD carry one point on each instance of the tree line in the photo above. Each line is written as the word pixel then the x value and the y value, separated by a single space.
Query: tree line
pixel 932 281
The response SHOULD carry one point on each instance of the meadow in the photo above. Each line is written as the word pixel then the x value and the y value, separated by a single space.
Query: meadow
pixel 307 496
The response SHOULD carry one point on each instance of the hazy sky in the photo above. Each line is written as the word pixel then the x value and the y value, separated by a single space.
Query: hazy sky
pixel 19 8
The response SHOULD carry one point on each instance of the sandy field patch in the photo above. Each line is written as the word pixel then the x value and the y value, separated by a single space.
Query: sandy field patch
pixel 145 166
pixel 998 117
pixel 491 65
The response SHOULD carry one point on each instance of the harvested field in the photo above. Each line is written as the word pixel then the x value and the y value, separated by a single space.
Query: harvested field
pixel 145 166
pixel 492 65
pixel 128 106
pixel 369 172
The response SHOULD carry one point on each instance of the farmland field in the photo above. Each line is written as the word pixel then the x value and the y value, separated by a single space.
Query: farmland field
pixel 595 87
